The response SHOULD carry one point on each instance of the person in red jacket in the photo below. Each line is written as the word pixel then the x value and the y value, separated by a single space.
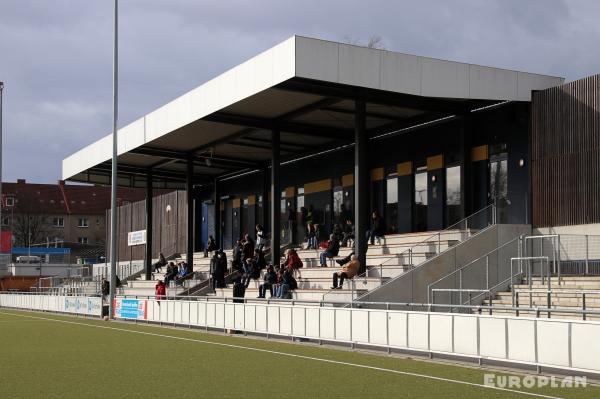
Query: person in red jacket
pixel 160 290
pixel 293 262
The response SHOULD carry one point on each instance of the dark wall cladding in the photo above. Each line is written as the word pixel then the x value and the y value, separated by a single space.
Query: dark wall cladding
pixel 566 154
pixel 169 226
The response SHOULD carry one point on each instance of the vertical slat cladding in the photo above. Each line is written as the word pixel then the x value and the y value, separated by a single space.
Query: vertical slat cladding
pixel 169 213
pixel 566 154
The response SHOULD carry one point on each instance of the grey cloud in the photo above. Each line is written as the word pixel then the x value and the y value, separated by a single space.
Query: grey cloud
pixel 56 60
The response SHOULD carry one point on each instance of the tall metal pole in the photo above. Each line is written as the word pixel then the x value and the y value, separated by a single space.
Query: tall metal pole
pixel 113 180
pixel 1 200
pixel 275 208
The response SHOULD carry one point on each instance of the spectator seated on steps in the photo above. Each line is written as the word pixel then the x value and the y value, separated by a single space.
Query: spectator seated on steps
pixel 270 279
pixel 161 262
pixel 349 270
pixel 288 284
pixel 333 248
pixel 171 273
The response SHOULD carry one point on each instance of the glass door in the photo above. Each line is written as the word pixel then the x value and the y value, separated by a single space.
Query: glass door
pixel 498 193
pixel 391 204
pixel 453 197
pixel 420 214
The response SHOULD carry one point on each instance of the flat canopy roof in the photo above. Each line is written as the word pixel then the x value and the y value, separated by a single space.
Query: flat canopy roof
pixel 304 87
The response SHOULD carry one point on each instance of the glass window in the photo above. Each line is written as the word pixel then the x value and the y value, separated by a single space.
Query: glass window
pixel 82 240
pixel 498 179
pixel 300 202
pixel 421 188
pixel 58 222
pixel 420 211
pixel 83 222
pixel 453 198
pixel 392 190
pixel 453 185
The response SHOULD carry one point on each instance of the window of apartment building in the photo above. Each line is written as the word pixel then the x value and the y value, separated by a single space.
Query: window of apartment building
pixel 83 222
pixel 10 201
pixel 82 240
pixel 5 221
pixel 58 222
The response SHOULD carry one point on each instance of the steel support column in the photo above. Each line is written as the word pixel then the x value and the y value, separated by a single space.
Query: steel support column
pixel 361 183
pixel 275 196
pixel 189 188
pixel 466 182
pixel 265 196
pixel 148 267
pixel 217 216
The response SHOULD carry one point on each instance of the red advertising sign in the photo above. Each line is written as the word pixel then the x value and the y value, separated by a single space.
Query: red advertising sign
pixel 6 242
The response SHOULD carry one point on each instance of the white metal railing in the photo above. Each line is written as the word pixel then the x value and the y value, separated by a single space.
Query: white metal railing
pixel 465 229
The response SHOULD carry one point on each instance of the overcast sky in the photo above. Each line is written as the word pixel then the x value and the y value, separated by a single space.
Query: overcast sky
pixel 56 55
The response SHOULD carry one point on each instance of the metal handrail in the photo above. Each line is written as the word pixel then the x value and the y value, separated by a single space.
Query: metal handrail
pixel 409 251
pixel 460 269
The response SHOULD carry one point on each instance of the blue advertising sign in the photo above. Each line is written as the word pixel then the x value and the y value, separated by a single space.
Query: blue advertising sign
pixel 131 308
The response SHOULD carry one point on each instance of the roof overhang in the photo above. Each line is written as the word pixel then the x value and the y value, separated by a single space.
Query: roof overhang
pixel 306 88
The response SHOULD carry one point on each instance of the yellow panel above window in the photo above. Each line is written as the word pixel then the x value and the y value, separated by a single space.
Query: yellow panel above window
pixel 405 168
pixel 479 153
pixel 317 186
pixel 435 162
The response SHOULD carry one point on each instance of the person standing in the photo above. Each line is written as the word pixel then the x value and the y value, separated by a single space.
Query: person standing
pixel 160 289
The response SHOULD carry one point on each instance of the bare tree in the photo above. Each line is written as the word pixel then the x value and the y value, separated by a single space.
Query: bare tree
pixel 29 225
pixel 374 41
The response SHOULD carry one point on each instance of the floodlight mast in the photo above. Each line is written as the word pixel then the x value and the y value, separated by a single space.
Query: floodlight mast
pixel 1 111
pixel 113 180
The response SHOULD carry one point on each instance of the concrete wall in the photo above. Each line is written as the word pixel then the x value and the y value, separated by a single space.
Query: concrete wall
pixel 412 286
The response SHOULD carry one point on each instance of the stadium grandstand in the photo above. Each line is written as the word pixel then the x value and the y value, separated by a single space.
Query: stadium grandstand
pixel 405 204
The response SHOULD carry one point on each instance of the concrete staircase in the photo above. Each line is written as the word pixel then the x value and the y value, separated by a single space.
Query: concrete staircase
pixel 568 294
pixel 396 254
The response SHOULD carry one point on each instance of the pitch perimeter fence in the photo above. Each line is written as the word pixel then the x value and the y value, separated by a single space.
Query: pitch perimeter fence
pixel 542 343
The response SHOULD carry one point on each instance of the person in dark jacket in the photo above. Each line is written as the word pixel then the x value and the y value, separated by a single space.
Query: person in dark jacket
pixel 105 287
pixel 211 245
pixel 171 273
pixel 376 230
pixel 218 268
pixel 348 233
pixel 161 262
pixel 236 262
pixel 333 248
pixel 288 283
pixel 247 253
pixel 261 237
pixel 239 290
pixel 270 278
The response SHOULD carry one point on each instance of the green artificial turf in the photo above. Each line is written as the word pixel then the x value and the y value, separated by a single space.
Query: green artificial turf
pixel 50 359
